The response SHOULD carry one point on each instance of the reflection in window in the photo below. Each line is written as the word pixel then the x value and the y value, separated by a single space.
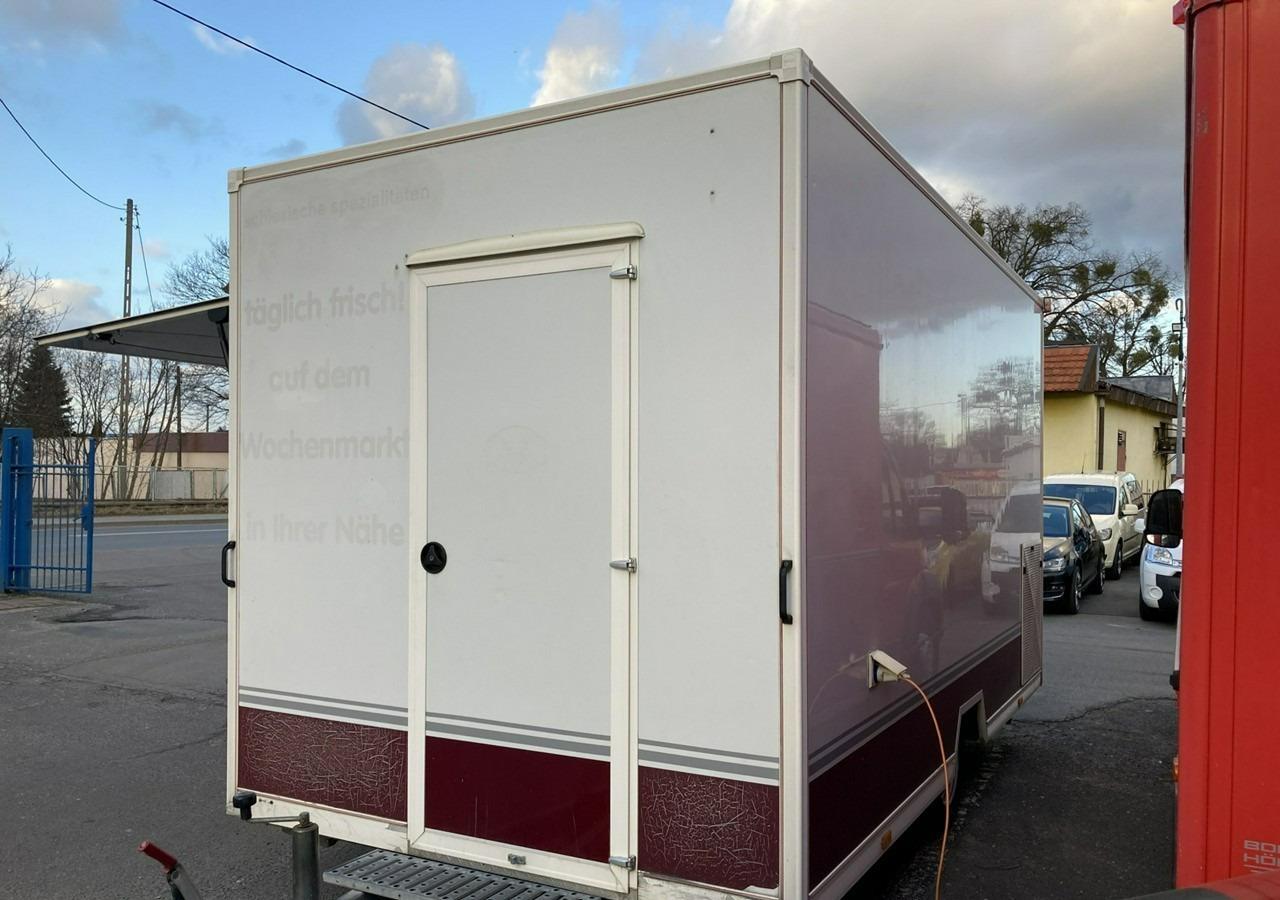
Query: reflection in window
pixel 1098 500
pixel 1055 522
pixel 1021 514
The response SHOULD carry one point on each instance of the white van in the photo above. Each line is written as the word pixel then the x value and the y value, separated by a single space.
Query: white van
pixel 1160 577
pixel 1115 501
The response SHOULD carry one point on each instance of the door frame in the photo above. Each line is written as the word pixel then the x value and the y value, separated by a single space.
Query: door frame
pixel 614 249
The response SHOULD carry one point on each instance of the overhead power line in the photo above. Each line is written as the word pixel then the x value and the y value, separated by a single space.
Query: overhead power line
pixel 143 247
pixel 50 158
pixel 290 65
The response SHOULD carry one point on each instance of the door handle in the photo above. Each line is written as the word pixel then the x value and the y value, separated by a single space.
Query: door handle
pixel 226 552
pixel 784 608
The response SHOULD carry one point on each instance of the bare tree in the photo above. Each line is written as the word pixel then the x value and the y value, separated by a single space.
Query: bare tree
pixel 1128 341
pixel 152 411
pixel 92 382
pixel 1083 286
pixel 907 427
pixel 23 317
pixel 1157 352
pixel 93 379
pixel 1006 396
pixel 202 275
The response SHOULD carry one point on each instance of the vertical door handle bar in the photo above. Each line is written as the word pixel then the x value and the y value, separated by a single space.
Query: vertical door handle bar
pixel 784 610
pixel 226 552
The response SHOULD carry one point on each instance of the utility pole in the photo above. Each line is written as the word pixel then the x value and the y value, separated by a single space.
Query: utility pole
pixel 178 404
pixel 1180 330
pixel 123 442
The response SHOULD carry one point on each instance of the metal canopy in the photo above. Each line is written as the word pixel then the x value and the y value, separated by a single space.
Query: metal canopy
pixel 195 333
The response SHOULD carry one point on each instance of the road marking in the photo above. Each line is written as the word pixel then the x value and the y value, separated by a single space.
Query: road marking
pixel 103 534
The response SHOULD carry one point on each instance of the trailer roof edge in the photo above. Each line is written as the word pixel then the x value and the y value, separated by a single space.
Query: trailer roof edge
pixel 785 65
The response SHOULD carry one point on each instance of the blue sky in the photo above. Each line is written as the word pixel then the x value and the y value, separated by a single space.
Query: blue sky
pixel 1022 101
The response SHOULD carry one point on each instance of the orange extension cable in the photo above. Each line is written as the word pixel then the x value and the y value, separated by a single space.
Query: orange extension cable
pixel 946 783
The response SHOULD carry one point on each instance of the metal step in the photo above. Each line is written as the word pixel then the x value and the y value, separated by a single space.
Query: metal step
pixel 381 873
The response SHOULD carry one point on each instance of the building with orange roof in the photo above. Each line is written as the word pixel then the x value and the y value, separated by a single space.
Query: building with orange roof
pixel 1097 424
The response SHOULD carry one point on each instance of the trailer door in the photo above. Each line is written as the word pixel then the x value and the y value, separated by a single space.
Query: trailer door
pixel 523 626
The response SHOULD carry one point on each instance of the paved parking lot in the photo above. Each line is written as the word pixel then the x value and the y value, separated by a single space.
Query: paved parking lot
pixel 113 731
pixel 1074 798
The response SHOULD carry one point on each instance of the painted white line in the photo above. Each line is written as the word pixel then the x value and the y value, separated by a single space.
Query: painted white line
pixel 102 534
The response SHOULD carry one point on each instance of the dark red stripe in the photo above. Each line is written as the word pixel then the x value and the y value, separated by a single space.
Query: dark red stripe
pixel 359 768
pixel 713 830
pixel 519 797
pixel 850 800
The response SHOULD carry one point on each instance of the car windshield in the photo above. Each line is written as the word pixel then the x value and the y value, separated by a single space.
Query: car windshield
pixel 1056 521
pixel 1098 499
pixel 1019 514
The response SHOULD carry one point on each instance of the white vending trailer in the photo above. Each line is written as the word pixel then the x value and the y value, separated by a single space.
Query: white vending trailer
pixel 583 456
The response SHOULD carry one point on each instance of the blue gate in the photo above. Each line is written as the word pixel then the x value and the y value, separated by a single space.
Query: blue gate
pixel 46 519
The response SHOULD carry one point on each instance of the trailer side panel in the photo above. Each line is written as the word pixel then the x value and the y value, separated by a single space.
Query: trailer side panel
pixel 922 417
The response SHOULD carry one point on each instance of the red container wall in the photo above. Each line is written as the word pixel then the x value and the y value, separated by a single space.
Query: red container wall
pixel 1229 791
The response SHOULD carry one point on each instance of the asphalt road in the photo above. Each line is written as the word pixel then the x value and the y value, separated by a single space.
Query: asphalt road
pixel 113 715
pixel 114 535
pixel 1074 797
pixel 114 724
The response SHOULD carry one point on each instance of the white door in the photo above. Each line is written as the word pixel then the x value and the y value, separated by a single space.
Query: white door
pixel 525 526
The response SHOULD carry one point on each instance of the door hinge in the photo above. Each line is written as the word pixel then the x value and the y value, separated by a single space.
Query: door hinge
pixel 624 862
pixel 628 564
pixel 628 272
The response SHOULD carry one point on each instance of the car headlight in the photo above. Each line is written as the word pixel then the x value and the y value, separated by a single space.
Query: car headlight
pixel 1057 564
pixel 1104 533
pixel 1161 555
pixel 999 554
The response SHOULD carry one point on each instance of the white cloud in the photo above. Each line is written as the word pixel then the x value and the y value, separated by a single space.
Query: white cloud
pixel 583 57
pixel 1021 102
pixel 156 249
pixel 217 43
pixel 289 149
pixel 50 23
pixel 155 116
pixel 425 83
pixel 80 303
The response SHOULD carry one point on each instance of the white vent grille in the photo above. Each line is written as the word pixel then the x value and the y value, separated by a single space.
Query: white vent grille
pixel 1032 611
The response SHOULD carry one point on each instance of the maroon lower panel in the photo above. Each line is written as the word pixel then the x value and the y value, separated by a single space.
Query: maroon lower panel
pixel 850 800
pixel 520 797
pixel 713 830
pixel 359 768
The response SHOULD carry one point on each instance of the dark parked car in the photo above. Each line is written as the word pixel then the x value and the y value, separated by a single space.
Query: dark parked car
pixel 1074 557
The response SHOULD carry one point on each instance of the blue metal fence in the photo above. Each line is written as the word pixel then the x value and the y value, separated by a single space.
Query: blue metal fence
pixel 46 519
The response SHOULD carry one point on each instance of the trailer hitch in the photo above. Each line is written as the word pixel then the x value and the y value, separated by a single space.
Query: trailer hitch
pixel 180 884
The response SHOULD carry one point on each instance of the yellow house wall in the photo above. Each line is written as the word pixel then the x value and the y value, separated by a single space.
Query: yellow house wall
pixel 1071 438
pixel 1139 426
pixel 1070 433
